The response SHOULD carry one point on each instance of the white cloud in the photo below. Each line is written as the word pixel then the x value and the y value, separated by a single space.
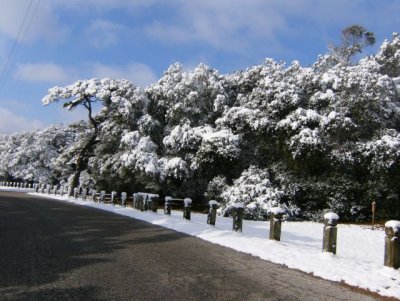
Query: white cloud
pixel 140 74
pixel 41 72
pixel 11 122
pixel 222 24
pixel 104 33
pixel 41 21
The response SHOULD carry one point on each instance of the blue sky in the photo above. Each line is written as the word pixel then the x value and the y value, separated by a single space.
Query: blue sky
pixel 67 40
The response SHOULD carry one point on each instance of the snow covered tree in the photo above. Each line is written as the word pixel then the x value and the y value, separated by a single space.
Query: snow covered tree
pixel 31 156
pixel 86 93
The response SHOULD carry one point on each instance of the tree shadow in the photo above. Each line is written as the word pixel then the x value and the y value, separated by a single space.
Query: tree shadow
pixel 42 241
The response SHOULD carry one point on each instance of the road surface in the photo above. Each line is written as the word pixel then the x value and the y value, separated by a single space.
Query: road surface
pixel 52 250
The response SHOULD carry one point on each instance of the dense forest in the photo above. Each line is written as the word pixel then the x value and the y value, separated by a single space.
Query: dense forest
pixel 325 136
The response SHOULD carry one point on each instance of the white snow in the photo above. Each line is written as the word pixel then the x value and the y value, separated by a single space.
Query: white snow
pixel 277 210
pixel 187 201
pixel 395 225
pixel 213 202
pixel 360 250
pixel 331 216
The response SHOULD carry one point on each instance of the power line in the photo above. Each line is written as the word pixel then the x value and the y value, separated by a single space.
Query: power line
pixel 15 44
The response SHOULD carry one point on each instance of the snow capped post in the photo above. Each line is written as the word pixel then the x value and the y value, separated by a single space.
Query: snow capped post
pixel 392 244
pixel 123 198
pixel 187 204
pixel 167 205
pixel 373 208
pixel 94 195
pixel 113 196
pixel 141 201
pixel 275 223
pixel 48 188
pixel 153 202
pixel 55 189
pixel 102 196
pixel 76 191
pixel 238 210
pixel 84 193
pixel 330 232
pixel 134 202
pixel 36 187
pixel 212 212
pixel 69 191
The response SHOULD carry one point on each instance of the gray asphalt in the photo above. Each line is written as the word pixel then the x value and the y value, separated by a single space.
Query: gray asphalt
pixel 51 250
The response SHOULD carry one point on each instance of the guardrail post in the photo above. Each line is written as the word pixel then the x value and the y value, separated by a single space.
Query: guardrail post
pixel 392 244
pixel 76 192
pixel 167 205
pixel 143 202
pixel 94 195
pixel 84 193
pixel 123 198
pixel 330 232
pixel 113 196
pixel 238 210
pixel 187 205
pixel 212 212
pixel 134 200
pixel 153 198
pixel 275 223
pixel 102 196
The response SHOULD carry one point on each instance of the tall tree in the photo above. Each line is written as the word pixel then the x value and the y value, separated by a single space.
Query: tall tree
pixel 86 93
pixel 353 40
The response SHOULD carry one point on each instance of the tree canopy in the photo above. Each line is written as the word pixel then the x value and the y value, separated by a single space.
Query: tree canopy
pixel 325 136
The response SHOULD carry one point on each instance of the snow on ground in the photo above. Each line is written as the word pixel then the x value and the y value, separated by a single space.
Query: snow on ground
pixel 360 251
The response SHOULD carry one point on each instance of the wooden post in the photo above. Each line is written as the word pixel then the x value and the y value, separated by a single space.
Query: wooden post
pixel 238 210
pixel 76 191
pixel 167 205
pixel 113 196
pixel 187 204
pixel 212 212
pixel 102 196
pixel 84 193
pixel 330 232
pixel 373 214
pixel 392 244
pixel 94 195
pixel 275 223
pixel 153 201
pixel 123 198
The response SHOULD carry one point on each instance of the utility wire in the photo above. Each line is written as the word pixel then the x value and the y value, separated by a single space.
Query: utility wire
pixel 14 47
pixel 30 21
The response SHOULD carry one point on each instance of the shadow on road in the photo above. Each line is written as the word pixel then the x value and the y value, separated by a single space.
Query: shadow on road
pixel 42 241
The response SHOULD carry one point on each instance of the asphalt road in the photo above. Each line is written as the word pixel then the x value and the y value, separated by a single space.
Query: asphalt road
pixel 51 250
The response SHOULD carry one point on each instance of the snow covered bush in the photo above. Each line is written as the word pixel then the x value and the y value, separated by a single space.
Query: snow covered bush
pixel 255 191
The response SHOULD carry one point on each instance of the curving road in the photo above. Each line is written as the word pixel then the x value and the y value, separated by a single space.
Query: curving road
pixel 51 250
